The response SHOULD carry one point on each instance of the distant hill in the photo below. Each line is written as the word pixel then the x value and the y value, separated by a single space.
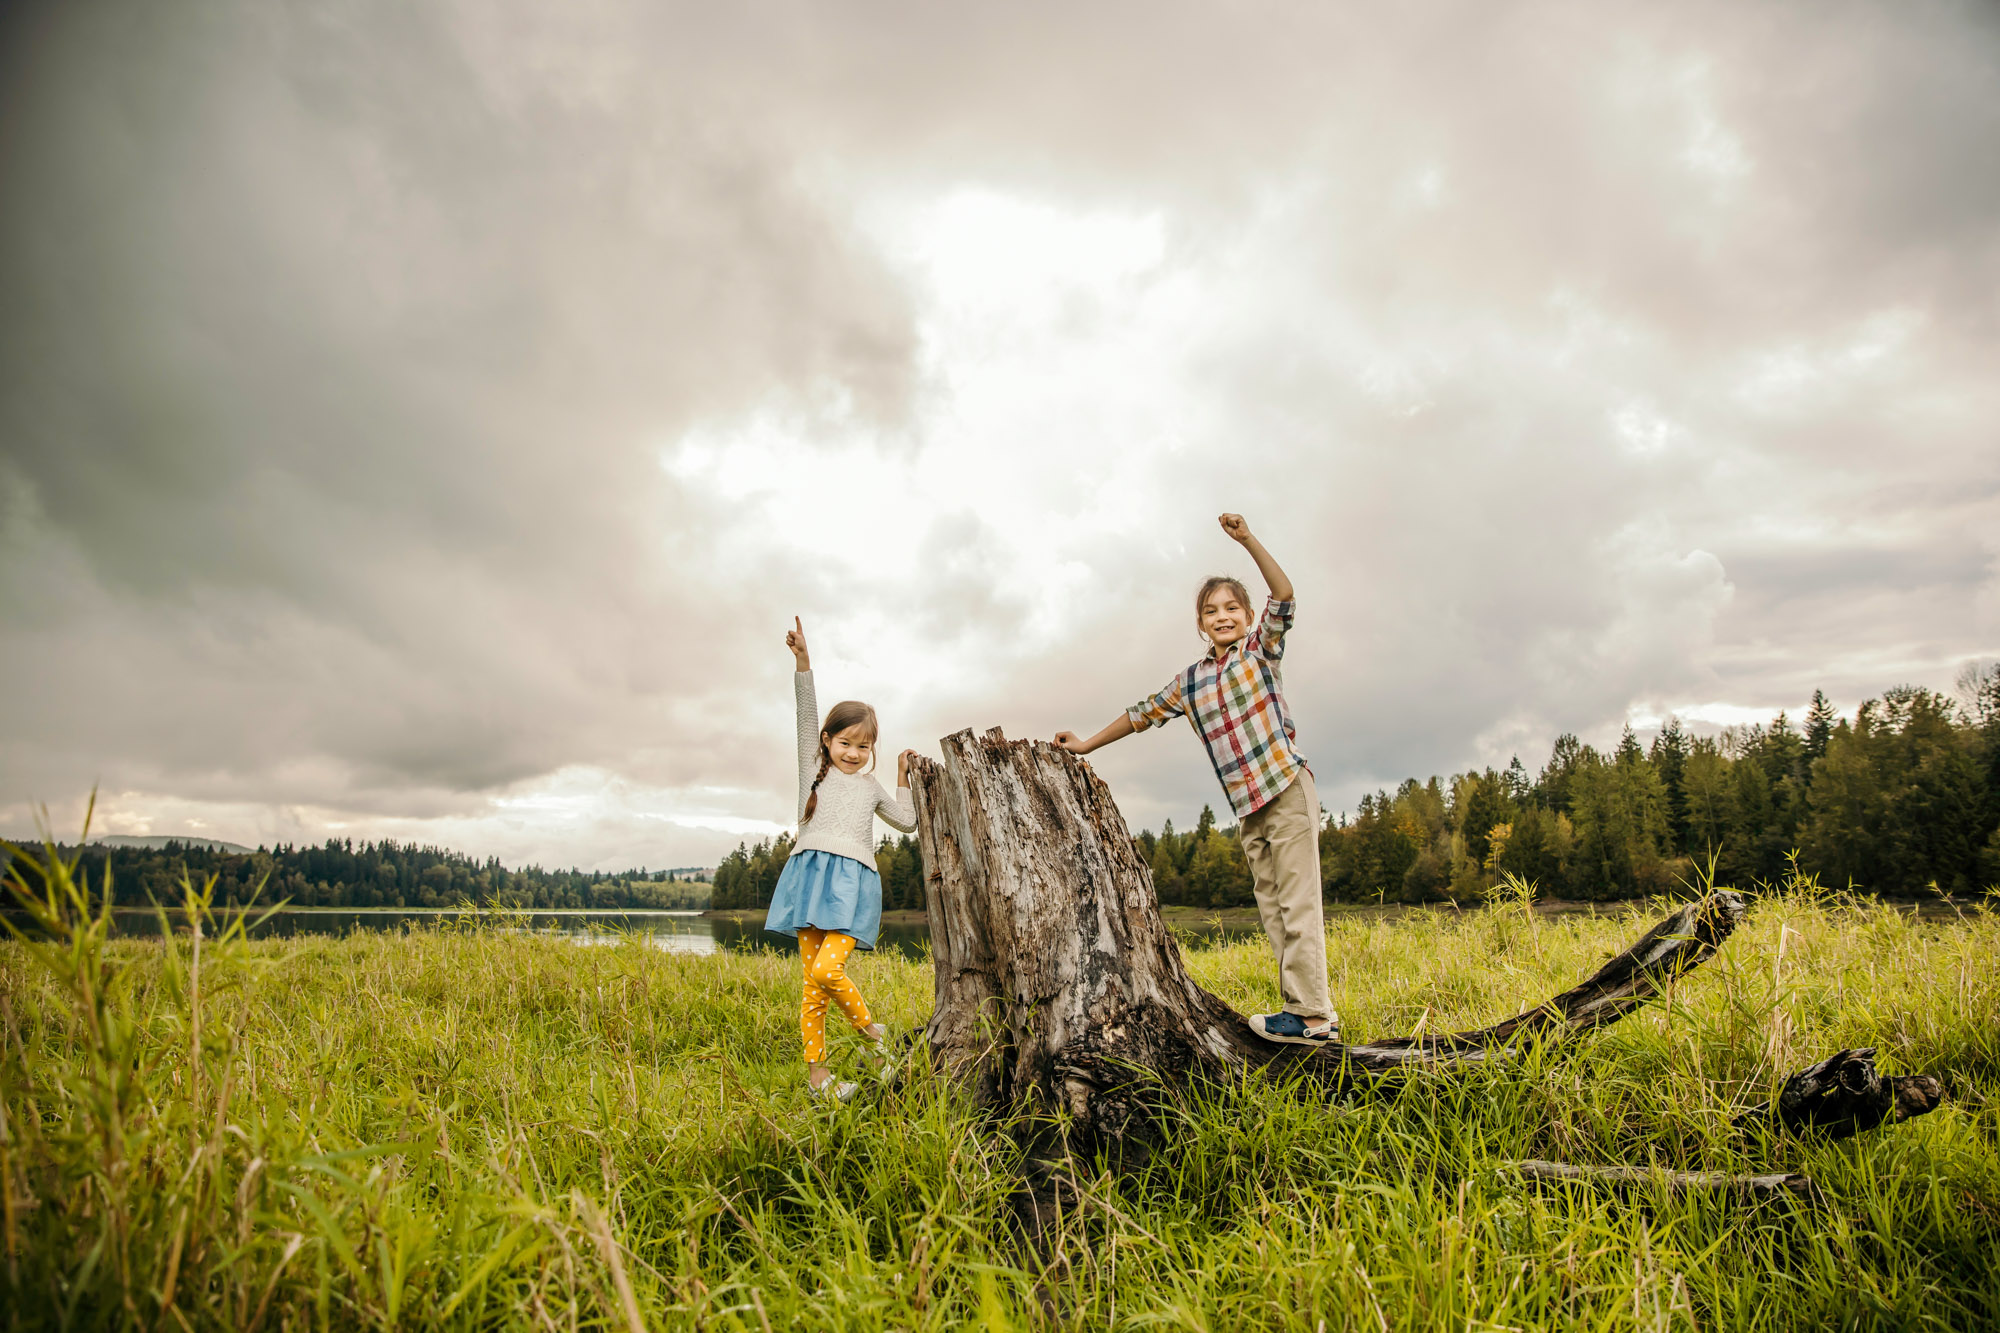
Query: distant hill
pixel 156 843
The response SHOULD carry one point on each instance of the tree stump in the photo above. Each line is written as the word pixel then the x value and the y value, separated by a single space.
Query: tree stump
pixel 1057 982
pixel 1060 989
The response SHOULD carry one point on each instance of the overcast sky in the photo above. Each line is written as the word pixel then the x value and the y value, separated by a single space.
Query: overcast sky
pixel 424 419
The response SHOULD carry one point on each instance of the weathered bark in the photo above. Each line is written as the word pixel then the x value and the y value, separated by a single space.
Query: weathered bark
pixel 1780 1184
pixel 1056 979
pixel 1059 987
pixel 1844 1095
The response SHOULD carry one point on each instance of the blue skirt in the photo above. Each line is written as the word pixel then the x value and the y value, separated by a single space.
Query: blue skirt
pixel 828 891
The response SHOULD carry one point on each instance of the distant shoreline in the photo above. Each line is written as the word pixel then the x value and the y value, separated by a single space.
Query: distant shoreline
pixel 1178 916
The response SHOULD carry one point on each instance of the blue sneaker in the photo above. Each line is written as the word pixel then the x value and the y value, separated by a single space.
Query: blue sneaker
pixel 1292 1028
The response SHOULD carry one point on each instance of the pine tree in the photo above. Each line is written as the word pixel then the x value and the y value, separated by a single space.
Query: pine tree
pixel 1220 877
pixel 1669 755
pixel 1819 726
pixel 1628 751
pixel 1479 802
pixel 1552 789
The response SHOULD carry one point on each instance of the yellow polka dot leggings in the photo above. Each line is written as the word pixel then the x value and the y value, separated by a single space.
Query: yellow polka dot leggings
pixel 824 954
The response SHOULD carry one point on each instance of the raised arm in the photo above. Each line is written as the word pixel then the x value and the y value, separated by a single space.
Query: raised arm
pixel 807 705
pixel 1275 577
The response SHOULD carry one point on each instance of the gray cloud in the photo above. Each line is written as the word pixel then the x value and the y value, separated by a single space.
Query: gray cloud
pixel 334 369
pixel 1577 362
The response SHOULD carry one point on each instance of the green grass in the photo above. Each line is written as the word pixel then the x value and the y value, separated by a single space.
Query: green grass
pixel 463 1128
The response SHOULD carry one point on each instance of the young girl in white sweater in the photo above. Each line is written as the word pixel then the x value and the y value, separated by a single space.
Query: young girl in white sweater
pixel 829 894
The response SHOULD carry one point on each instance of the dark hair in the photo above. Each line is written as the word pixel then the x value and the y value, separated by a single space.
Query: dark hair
pixel 845 714
pixel 1210 584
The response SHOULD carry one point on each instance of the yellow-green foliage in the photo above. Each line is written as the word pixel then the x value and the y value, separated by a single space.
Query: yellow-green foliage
pixel 469 1128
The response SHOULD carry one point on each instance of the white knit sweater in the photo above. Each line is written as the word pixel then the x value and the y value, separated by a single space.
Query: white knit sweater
pixel 844 820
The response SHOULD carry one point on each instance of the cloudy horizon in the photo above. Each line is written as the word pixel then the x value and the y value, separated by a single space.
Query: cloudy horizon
pixel 425 421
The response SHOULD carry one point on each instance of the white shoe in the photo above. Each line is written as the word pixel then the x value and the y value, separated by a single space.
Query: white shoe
pixel 880 1058
pixel 833 1090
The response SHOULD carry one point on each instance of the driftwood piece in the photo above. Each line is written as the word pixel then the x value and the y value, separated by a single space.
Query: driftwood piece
pixel 1059 988
pixel 1843 1095
pixel 1778 1185
pixel 1840 1096
pixel 1629 979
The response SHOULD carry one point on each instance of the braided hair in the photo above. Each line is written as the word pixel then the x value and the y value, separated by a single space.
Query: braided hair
pixel 847 713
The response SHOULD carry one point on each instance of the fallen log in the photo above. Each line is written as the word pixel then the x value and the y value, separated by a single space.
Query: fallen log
pixel 1836 1098
pixel 1777 1185
pixel 1843 1095
pixel 1632 977
pixel 1060 990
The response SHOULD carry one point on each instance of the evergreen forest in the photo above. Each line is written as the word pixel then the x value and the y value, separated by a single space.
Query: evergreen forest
pixel 343 873
pixel 1901 800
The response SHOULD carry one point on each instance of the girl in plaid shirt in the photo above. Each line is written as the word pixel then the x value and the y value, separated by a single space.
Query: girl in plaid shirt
pixel 1234 698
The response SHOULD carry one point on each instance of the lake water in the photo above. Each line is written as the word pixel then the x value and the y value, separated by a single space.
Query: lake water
pixel 676 932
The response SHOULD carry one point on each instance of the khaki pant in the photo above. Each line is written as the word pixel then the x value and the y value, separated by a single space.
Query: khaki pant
pixel 1281 842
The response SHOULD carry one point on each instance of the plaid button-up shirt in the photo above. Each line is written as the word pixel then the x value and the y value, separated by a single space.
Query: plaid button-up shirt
pixel 1236 703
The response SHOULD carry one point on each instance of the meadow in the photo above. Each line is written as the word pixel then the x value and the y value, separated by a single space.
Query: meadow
pixel 457 1127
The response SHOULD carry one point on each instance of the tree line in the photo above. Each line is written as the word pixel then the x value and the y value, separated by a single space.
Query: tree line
pixel 342 873
pixel 1904 799
pixel 1202 868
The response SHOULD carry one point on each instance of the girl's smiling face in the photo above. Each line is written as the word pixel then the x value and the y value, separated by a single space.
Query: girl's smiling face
pixel 851 747
pixel 1224 617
